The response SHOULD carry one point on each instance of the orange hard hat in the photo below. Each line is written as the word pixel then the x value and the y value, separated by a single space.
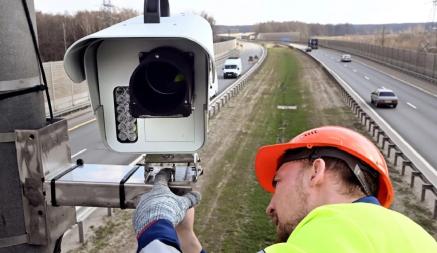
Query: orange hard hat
pixel 354 144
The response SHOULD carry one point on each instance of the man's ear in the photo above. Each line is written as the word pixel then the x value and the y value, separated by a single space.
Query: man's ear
pixel 318 172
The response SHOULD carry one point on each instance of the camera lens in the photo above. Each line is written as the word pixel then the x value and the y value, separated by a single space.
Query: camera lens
pixel 162 84
pixel 165 79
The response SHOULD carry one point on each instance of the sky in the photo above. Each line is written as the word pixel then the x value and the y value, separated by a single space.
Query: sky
pixel 247 12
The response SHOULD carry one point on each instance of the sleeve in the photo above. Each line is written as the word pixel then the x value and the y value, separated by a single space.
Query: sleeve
pixel 159 237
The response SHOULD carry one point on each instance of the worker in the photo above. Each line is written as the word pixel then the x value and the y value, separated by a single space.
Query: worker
pixel 331 193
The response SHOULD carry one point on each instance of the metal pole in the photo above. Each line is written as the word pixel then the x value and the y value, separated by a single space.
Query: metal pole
pixel 18 70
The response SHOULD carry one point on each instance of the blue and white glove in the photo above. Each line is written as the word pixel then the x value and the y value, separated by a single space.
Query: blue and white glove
pixel 161 203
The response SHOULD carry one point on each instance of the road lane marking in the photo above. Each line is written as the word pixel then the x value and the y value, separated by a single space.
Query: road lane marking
pixel 413 106
pixel 354 70
pixel 429 172
pixel 81 125
pixel 367 78
pixel 78 153
pixel 427 165
pixel 398 79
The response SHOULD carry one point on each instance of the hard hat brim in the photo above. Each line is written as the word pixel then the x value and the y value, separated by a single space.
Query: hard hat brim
pixel 267 162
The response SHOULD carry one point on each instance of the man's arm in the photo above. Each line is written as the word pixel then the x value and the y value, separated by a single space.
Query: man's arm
pixel 187 237
pixel 157 214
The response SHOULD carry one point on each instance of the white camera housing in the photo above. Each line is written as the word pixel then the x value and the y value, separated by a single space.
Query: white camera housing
pixel 107 60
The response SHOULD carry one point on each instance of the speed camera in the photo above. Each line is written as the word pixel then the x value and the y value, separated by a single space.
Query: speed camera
pixel 148 82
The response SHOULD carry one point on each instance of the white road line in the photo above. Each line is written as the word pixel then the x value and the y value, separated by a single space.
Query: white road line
pixel 354 70
pixel 398 79
pixel 367 78
pixel 81 125
pixel 431 171
pixel 410 104
pixel 78 153
pixel 345 65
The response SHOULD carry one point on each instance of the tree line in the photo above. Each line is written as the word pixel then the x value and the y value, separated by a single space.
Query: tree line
pixel 56 32
pixel 308 30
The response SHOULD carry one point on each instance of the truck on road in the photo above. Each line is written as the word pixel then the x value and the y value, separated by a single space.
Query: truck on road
pixel 313 43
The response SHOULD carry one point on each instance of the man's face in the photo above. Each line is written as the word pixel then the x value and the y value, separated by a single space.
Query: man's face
pixel 289 203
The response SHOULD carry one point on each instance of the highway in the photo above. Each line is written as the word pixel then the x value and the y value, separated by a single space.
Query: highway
pixel 247 50
pixel 85 141
pixel 415 117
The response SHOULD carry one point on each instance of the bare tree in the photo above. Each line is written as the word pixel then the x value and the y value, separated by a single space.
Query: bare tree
pixel 58 32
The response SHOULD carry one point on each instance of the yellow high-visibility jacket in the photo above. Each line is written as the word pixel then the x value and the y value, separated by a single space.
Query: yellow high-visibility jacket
pixel 356 227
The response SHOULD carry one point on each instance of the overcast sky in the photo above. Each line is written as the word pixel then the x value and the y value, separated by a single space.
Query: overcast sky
pixel 243 12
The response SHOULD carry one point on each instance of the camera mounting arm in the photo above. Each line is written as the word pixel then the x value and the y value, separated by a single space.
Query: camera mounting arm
pixel 155 9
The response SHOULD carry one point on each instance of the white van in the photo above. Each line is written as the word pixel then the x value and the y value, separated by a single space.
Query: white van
pixel 232 67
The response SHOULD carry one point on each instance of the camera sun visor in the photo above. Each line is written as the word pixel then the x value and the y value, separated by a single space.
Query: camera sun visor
pixel 162 84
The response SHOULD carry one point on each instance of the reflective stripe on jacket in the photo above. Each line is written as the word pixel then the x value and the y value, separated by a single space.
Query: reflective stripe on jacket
pixel 356 227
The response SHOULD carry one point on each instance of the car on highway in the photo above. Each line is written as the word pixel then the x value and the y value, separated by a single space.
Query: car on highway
pixel 308 49
pixel 346 58
pixel 384 97
pixel 232 67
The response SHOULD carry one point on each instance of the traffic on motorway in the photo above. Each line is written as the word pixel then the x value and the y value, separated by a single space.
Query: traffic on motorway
pixel 405 106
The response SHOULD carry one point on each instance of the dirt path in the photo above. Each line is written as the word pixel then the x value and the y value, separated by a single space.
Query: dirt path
pixel 232 121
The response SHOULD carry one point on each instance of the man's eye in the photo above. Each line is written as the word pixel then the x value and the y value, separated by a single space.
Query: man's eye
pixel 274 183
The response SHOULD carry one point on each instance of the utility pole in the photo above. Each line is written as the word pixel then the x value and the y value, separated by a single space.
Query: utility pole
pixel 383 36
pixel 19 71
pixel 65 36
pixel 107 8
pixel 434 28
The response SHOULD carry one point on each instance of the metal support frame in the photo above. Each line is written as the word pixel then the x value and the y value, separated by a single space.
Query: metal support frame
pixel 120 186
pixel 53 185
pixel 39 153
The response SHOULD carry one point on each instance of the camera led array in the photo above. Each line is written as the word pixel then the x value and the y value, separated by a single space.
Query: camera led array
pixel 126 125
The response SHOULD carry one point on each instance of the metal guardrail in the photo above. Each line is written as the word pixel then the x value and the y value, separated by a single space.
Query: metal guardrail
pixel 419 64
pixel 391 140
pixel 232 90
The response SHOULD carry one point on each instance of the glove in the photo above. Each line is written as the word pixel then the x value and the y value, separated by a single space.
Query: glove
pixel 161 203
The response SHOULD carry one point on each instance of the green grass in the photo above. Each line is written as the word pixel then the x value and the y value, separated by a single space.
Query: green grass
pixel 238 222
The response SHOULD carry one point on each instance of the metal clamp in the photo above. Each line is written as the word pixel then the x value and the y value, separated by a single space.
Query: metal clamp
pixel 121 186
pixel 60 175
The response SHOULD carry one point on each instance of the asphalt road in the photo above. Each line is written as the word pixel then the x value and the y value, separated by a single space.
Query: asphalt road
pixel 249 49
pixel 85 141
pixel 415 117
